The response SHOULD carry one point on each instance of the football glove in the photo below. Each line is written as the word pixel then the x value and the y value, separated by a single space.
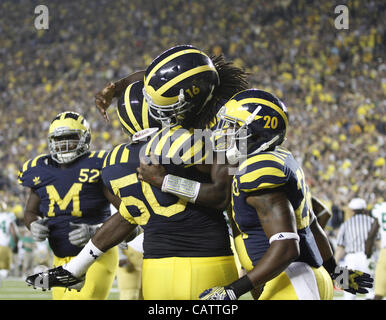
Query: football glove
pixel 39 229
pixel 218 293
pixel 357 281
pixel 81 233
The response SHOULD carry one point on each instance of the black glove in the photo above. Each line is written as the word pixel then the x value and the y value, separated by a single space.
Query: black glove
pixel 353 281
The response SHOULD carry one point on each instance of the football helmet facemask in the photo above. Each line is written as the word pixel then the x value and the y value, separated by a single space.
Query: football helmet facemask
pixel 252 121
pixel 69 137
pixel 179 83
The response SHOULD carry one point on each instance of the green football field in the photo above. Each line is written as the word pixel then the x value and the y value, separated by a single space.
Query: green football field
pixel 17 289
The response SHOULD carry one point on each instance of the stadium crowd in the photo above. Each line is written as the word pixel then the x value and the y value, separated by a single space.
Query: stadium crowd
pixel 332 81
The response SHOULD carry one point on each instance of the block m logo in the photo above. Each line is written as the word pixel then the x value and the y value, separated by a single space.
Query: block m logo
pixel 71 196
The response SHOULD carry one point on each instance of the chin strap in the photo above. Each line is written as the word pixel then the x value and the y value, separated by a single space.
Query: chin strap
pixel 266 145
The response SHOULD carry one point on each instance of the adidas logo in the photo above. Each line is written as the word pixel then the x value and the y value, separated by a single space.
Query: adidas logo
pixel 280 236
pixel 93 255
pixel 36 180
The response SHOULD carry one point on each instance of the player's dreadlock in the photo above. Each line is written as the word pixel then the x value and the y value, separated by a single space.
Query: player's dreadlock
pixel 232 80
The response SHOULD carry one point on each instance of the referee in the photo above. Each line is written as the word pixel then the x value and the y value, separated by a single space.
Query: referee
pixel 352 237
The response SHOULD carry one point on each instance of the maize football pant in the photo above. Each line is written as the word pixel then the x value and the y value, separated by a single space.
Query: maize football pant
pixel 179 278
pixel 98 282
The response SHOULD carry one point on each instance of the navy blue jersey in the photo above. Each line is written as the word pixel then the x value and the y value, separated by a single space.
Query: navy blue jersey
pixel 180 146
pixel 265 172
pixel 173 227
pixel 71 194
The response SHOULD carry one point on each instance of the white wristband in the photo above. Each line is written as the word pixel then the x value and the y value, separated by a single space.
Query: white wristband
pixel 284 236
pixel 185 189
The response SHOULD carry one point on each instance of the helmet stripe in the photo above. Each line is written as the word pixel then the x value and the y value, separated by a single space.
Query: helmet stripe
pixel 167 59
pixel 129 110
pixel 145 115
pixel 268 104
pixel 184 76
pixel 125 124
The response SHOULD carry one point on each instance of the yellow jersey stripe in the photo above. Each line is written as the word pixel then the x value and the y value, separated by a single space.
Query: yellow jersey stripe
pixel 166 60
pixel 279 155
pixel 114 154
pixel 162 142
pixel 91 154
pixel 200 161
pixel 34 161
pixel 256 174
pixel 101 154
pixel 25 166
pixel 261 157
pixel 125 155
pixel 265 185
pixel 197 147
pixel 176 145
pixel 148 147
pixel 129 111
pixel 105 161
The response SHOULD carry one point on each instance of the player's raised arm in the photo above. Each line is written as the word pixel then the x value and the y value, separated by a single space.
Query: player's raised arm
pixel 322 213
pixel 104 97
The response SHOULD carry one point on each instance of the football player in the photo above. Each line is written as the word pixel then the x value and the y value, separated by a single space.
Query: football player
pixel 8 233
pixel 279 242
pixel 180 244
pixel 379 226
pixel 68 202
pixel 177 263
pixel 321 211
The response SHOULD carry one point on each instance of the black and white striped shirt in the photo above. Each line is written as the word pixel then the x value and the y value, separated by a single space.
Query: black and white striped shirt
pixel 353 233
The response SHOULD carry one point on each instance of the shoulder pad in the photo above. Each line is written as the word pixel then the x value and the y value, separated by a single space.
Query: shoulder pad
pixel 179 146
pixel 101 154
pixel 118 154
pixel 263 171
pixel 29 167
